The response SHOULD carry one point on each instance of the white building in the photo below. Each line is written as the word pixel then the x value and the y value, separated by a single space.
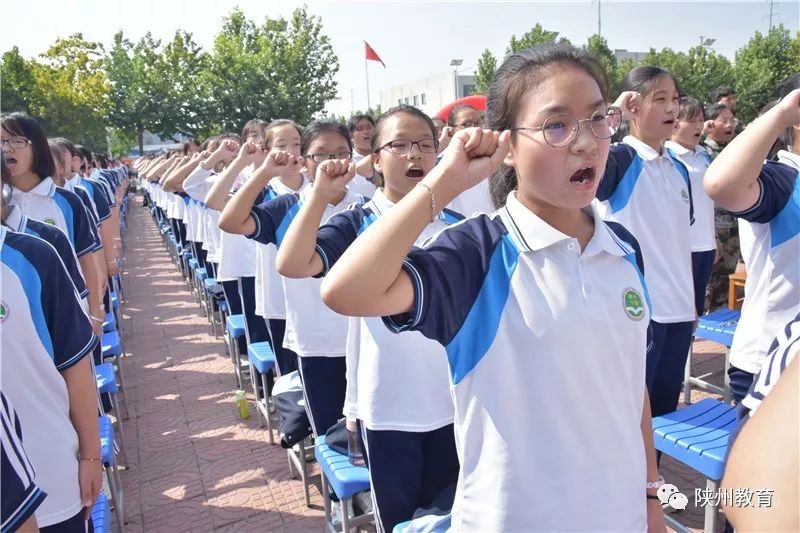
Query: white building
pixel 428 94
pixel 622 54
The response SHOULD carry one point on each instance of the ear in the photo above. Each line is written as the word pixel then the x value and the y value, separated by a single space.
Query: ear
pixel 509 160
pixel 376 162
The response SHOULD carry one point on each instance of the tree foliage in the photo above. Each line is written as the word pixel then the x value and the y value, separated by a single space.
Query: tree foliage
pixel 487 65
pixel 534 36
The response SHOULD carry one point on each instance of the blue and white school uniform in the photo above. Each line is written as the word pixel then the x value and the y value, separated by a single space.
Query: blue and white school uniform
pixel 702 234
pixel 315 333
pixel 97 195
pixel 769 236
pixel 649 193
pixel 542 339
pixel 197 185
pixel 237 261
pixel 397 386
pixel 270 298
pixel 782 352
pixel 44 332
pixel 473 201
pixel 60 208
pixel 21 495
pixel 19 222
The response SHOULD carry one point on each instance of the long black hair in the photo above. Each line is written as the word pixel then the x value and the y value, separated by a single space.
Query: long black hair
pixel 23 125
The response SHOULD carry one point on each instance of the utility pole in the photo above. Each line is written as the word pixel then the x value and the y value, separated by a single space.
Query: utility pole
pixel 599 18
pixel 771 3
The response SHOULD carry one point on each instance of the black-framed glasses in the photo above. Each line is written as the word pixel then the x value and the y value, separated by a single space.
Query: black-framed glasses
pixel 17 143
pixel 404 146
pixel 561 130
pixel 319 158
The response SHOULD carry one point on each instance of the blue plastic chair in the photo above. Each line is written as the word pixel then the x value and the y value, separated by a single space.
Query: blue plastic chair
pixel 101 515
pixel 109 457
pixel 698 436
pixel 110 323
pixel 346 480
pixel 262 361
pixel 718 327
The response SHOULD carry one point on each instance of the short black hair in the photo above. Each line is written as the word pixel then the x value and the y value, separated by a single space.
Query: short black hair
pixel 690 107
pixel 376 142
pixel 189 142
pixel 716 110
pixel 721 92
pixel 352 123
pixel 255 127
pixel 84 153
pixel 24 125
pixel 277 123
pixel 317 128
pixel 103 160
pixel 451 116
pixel 782 90
pixel 65 144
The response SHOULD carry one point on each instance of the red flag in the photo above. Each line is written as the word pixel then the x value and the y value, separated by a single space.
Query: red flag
pixel 372 54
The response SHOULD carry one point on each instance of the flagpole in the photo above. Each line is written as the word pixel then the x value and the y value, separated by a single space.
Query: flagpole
pixel 366 76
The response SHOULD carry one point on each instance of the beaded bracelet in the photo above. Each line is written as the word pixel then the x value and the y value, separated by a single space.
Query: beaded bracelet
pixel 433 200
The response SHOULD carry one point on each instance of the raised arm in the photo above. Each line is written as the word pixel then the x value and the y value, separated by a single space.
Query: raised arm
pixel 236 217
pixel 174 182
pixel 368 279
pixel 732 179
pixel 249 152
pixel 297 255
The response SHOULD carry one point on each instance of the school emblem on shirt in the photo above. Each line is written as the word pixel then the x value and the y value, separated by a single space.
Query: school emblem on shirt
pixel 685 196
pixel 632 301
pixel 50 221
pixel 3 311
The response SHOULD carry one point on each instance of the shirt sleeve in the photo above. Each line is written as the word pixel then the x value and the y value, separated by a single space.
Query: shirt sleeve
pixel 101 204
pixel 70 329
pixel 196 184
pixel 273 217
pixel 58 240
pixel 338 234
pixel 776 183
pixel 448 274
pixel 619 162
pixel 21 496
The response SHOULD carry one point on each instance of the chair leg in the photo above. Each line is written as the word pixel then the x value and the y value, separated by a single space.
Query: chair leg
pixel 711 510
pixel 347 511
pixel 727 396
pixel 304 472
pixel 687 374
pixel 258 400
pixel 119 433
pixel 266 406
pixel 326 501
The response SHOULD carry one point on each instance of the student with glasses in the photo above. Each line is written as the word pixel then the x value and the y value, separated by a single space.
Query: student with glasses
pixel 534 304
pixel 396 385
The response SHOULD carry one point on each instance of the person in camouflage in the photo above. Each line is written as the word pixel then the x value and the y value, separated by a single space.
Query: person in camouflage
pixel 728 255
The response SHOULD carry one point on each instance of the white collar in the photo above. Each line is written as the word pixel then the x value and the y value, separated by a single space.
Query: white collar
pixel 682 150
pixel 645 152
pixel 281 188
pixel 45 188
pixel 534 234
pixel 789 158
pixel 16 219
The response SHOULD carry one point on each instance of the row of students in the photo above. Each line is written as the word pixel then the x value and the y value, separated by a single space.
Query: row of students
pixel 54 252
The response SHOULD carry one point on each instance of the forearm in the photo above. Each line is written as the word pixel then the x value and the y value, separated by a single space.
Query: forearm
pixel 169 170
pixel 175 181
pixel 217 197
pixel 107 236
pixel 647 438
pixel 236 214
pixel 354 286
pixel 91 275
pixel 81 389
pixel 731 179
pixel 297 256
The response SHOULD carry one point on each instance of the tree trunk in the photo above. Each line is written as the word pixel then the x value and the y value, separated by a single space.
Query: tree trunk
pixel 140 138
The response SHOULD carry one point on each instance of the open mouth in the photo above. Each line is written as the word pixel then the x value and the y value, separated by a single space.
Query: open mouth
pixel 415 173
pixel 583 178
pixel 670 122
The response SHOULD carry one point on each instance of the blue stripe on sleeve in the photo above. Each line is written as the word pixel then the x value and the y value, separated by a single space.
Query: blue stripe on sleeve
pixel 32 285
pixel 66 210
pixel 786 224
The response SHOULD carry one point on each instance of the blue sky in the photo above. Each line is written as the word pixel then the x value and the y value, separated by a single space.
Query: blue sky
pixel 414 39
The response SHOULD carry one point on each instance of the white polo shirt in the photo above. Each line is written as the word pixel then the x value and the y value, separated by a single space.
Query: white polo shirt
pixel 58 207
pixel 197 185
pixel 649 194
pixel 44 332
pixel 270 297
pixel 474 200
pixel 393 383
pixel 769 237
pixel 702 234
pixel 312 328
pixel 237 254
pixel 543 341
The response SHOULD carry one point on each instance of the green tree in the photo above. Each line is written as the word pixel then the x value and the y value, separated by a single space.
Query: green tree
pixel 17 83
pixel 72 91
pixel 279 69
pixel 597 46
pixel 760 65
pixel 180 70
pixel 699 71
pixel 536 35
pixel 623 67
pixel 487 65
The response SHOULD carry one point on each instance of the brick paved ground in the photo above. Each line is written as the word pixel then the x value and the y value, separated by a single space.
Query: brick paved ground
pixel 193 465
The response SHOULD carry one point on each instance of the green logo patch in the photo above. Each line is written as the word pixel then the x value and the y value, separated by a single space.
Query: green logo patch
pixel 50 221
pixel 685 196
pixel 633 304
pixel 3 311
